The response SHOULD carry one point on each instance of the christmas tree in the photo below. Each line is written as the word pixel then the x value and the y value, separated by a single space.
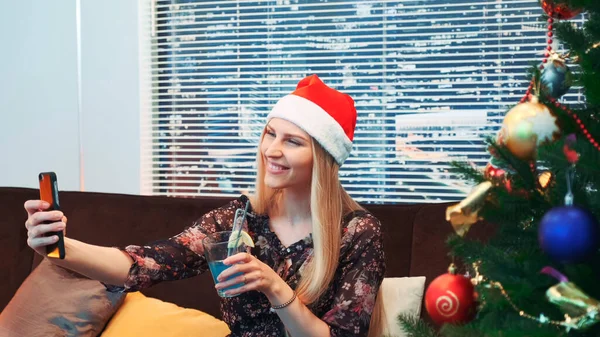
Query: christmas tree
pixel 539 273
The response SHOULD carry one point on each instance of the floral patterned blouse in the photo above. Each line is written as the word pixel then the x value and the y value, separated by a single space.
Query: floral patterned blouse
pixel 346 306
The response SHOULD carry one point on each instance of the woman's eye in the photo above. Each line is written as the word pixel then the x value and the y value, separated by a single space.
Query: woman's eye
pixel 294 142
pixel 271 133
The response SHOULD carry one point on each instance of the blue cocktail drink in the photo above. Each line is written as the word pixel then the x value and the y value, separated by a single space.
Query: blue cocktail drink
pixel 217 247
pixel 216 268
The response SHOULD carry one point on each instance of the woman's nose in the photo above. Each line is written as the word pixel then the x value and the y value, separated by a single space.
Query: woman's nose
pixel 274 149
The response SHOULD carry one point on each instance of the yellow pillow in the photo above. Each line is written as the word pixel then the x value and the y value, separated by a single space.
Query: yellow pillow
pixel 145 316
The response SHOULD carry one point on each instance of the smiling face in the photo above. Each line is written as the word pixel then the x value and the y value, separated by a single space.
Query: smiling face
pixel 287 155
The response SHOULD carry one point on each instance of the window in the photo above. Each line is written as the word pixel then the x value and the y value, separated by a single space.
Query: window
pixel 431 79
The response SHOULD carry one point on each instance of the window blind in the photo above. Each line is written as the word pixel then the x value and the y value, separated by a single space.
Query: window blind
pixel 431 80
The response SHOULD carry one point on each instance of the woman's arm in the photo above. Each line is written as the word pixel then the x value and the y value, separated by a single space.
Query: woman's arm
pixel 105 264
pixel 297 318
pixel 133 267
pixel 100 263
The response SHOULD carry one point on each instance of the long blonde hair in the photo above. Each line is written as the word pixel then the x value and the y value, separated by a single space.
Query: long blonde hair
pixel 329 202
pixel 378 317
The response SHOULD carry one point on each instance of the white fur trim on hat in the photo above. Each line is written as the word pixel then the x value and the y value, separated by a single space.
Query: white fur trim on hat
pixel 316 122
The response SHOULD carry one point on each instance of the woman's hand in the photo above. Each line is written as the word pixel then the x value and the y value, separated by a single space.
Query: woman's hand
pixel 255 275
pixel 36 230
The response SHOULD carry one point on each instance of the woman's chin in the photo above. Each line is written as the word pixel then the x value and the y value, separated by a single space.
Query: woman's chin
pixel 275 184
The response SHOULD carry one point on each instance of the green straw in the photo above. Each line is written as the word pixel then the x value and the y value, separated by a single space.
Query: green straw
pixel 237 219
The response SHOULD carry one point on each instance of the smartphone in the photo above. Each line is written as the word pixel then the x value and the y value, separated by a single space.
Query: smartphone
pixel 49 194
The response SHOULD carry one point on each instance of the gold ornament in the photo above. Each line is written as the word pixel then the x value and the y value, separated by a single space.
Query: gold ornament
pixel 545 179
pixel 464 214
pixel 583 311
pixel 527 126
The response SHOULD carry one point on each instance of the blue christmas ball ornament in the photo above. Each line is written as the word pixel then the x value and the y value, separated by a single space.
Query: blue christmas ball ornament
pixel 556 77
pixel 569 234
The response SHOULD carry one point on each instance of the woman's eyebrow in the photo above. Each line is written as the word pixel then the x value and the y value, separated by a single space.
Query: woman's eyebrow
pixel 287 135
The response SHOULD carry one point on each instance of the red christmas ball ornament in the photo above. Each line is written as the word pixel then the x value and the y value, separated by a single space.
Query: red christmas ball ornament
pixel 559 11
pixel 494 174
pixel 450 298
pixel 572 155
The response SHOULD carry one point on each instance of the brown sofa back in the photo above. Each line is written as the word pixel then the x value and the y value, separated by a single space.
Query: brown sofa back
pixel 414 236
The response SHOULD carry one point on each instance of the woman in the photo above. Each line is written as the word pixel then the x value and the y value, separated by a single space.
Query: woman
pixel 318 263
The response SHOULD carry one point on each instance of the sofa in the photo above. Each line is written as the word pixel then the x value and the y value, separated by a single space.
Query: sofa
pixel 414 235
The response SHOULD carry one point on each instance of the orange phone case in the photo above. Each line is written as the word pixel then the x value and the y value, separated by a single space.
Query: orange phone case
pixel 49 193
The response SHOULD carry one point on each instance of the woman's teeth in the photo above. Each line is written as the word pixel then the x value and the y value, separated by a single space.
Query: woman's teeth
pixel 275 167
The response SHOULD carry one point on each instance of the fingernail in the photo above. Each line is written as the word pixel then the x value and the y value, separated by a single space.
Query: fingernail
pixel 45 204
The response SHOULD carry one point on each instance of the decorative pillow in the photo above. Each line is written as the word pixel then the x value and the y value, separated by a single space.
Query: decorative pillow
pixel 53 301
pixel 401 295
pixel 146 316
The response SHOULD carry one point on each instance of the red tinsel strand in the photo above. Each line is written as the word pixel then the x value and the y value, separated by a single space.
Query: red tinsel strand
pixel 584 130
pixel 527 93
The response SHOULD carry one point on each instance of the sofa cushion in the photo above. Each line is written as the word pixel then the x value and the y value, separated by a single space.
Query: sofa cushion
pixel 145 316
pixel 53 301
pixel 401 295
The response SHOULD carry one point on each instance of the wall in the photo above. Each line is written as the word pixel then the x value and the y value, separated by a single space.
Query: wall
pixel 94 147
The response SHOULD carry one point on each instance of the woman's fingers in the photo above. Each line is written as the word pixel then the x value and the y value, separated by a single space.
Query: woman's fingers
pixel 34 206
pixel 41 222
pixel 246 270
pixel 238 268
pixel 247 278
pixel 249 281
pixel 232 281
pixel 231 271
pixel 246 287
pixel 41 230
pixel 39 217
pixel 237 258
pixel 39 242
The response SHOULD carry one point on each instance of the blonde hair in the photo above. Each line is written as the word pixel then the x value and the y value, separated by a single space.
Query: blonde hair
pixel 378 317
pixel 329 202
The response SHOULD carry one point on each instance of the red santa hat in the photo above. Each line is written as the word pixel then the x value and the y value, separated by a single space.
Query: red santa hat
pixel 326 114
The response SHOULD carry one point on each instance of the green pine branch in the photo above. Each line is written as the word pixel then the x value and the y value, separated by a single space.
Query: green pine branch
pixel 415 327
pixel 466 171
pixel 581 44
